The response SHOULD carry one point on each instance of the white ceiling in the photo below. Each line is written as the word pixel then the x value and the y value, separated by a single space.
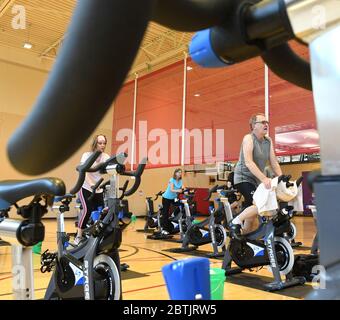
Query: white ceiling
pixel 46 24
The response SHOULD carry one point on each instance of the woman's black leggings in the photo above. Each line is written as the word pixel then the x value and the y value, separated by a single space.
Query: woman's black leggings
pixel 247 190
pixel 164 220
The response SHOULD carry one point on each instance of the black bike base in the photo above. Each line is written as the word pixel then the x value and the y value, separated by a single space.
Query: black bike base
pixel 275 286
pixel 146 230
pixel 296 244
pixel 124 267
pixel 216 255
pixel 231 271
pixel 159 236
pixel 181 250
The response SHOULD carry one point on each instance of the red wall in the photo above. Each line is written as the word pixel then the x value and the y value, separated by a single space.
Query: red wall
pixel 227 98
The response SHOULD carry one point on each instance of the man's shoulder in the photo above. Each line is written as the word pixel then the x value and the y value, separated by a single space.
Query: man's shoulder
pixel 248 138
pixel 269 139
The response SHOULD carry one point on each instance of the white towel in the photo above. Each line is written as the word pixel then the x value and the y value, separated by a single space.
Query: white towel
pixel 265 199
pixel 297 202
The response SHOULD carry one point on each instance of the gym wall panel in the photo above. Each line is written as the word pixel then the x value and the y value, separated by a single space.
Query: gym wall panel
pixel 224 99
pixel 159 112
pixel 123 118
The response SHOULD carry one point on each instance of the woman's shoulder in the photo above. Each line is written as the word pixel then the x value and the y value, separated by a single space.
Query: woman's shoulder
pixel 85 155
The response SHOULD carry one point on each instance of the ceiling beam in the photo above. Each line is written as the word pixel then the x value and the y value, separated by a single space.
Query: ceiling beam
pixel 52 46
pixel 162 58
pixel 148 53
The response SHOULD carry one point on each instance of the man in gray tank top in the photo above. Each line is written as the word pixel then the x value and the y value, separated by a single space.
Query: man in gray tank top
pixel 256 152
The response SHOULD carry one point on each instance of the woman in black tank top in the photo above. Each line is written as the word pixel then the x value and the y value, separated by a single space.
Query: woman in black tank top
pixel 249 172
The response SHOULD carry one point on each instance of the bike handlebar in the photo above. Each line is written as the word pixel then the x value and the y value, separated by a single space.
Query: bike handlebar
pixel 158 195
pixel 137 175
pixel 94 188
pixel 82 169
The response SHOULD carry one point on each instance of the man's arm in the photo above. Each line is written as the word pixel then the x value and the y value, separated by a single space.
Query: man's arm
pixel 273 160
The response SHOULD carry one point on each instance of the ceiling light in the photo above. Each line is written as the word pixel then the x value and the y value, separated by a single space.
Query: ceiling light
pixel 189 68
pixel 28 45
pixel 197 95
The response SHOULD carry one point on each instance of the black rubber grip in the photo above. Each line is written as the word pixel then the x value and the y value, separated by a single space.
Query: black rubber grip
pixel 101 44
pixel 139 171
pixel 211 191
pixel 115 159
pixel 286 64
pixel 82 171
pixel 134 188
pixel 94 188
pixel 158 195
pixel 137 174
pixel 191 15
pixel 123 189
pixel 103 186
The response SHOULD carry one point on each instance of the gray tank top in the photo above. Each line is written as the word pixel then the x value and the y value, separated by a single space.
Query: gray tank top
pixel 261 155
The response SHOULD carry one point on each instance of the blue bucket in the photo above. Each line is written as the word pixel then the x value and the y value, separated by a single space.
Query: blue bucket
pixel 188 279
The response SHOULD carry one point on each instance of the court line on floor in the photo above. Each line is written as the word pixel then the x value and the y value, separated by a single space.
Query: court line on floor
pixel 155 251
pixel 146 288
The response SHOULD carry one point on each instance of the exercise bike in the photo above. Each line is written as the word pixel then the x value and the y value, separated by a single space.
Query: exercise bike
pixel 92 270
pixel 180 219
pixel 23 234
pixel 210 230
pixel 265 247
pixel 152 218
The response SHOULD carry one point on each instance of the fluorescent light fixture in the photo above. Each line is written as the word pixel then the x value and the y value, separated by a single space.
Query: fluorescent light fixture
pixel 28 45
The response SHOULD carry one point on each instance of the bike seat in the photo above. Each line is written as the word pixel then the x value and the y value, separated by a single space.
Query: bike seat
pixel 12 191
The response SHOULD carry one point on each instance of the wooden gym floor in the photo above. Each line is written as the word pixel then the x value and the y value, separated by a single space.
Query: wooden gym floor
pixel 144 281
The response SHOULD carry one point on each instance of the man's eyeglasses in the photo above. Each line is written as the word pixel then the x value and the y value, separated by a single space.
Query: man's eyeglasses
pixel 264 122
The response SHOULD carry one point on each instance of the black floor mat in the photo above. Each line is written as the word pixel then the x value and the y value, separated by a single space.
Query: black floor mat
pixel 195 253
pixel 129 274
pixel 173 240
pixel 257 281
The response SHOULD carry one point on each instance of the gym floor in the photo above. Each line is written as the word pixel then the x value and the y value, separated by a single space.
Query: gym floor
pixel 144 280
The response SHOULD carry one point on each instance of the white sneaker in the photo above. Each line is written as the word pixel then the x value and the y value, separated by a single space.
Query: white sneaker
pixel 165 233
